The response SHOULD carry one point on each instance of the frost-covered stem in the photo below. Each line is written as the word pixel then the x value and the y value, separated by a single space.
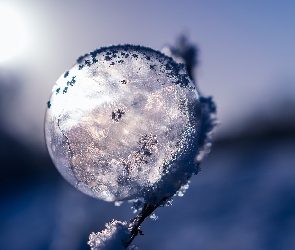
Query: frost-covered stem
pixel 135 223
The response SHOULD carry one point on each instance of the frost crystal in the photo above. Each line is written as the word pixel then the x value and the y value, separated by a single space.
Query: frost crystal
pixel 113 237
pixel 124 123
pixel 182 189
pixel 153 216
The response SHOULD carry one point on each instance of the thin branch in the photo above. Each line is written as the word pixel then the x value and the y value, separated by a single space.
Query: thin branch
pixel 136 222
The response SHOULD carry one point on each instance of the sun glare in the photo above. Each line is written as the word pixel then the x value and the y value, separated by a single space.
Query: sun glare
pixel 12 33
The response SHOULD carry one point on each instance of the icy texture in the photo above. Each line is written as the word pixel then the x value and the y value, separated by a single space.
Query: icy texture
pixel 114 237
pixel 187 53
pixel 182 189
pixel 209 121
pixel 124 123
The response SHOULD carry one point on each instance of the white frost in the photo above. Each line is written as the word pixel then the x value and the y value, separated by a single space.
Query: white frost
pixel 113 237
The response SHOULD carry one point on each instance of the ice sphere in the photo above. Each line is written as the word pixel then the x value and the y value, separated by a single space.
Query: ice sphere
pixel 123 123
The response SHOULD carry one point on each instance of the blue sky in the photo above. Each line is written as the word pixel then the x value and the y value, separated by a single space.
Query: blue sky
pixel 246 48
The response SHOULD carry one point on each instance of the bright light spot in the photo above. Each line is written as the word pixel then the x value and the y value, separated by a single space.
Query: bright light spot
pixel 12 33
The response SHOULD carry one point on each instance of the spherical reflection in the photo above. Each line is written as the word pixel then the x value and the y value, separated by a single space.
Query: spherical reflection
pixel 121 120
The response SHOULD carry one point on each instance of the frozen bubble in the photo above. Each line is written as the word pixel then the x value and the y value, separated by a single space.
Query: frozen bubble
pixel 123 123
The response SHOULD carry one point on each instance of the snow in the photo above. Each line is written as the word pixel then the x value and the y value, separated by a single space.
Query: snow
pixel 111 238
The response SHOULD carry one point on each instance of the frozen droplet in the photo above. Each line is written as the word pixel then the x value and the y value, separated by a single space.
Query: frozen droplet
pixel 123 123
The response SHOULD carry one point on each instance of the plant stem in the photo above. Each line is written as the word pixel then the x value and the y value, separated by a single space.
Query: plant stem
pixel 136 222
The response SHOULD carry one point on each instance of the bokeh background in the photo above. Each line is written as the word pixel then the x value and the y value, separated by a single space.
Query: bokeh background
pixel 244 197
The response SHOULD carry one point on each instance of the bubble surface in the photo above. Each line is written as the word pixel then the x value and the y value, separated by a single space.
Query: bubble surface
pixel 121 120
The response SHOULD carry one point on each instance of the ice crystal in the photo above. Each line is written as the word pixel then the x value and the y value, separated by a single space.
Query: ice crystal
pixel 114 237
pixel 182 189
pixel 153 216
pixel 124 123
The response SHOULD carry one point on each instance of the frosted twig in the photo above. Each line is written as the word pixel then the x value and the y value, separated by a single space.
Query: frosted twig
pixel 136 222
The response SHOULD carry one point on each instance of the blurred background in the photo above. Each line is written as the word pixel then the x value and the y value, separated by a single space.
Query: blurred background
pixel 244 197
